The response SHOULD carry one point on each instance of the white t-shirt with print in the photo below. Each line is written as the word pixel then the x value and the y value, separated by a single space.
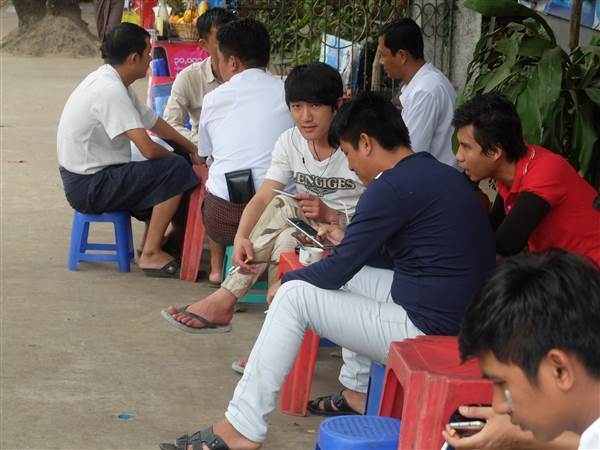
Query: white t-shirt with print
pixel 331 179
pixel 91 130
pixel 590 438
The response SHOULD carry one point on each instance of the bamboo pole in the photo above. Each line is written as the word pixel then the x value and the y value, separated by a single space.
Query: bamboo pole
pixel 575 24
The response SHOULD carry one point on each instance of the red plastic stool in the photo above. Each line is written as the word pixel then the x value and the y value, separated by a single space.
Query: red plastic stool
pixel 424 384
pixel 295 392
pixel 193 242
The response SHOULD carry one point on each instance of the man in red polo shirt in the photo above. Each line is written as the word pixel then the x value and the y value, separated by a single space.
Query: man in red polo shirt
pixel 542 201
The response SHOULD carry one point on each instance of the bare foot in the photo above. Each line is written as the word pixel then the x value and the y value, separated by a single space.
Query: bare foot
pixel 155 260
pixel 216 308
pixel 356 400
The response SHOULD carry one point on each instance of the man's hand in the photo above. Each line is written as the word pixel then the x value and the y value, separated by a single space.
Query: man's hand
pixel 196 159
pixel 332 233
pixel 243 254
pixel 273 291
pixel 314 208
pixel 498 432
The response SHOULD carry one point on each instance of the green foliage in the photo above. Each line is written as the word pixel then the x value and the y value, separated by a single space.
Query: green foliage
pixel 556 94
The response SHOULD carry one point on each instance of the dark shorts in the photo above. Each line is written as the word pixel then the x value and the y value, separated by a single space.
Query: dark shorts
pixel 135 187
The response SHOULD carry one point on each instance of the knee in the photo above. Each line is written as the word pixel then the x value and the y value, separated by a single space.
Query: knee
pixel 288 295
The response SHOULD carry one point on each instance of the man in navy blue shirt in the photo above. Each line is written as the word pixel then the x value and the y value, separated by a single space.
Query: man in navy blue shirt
pixel 421 221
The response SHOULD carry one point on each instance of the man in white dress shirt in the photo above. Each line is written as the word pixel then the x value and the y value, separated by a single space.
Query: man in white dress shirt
pixel 239 124
pixel 427 96
pixel 198 79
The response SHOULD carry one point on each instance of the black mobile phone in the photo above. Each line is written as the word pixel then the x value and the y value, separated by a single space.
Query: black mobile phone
pixel 306 230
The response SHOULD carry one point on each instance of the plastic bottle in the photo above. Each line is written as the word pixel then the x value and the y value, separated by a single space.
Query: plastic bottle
pixel 162 21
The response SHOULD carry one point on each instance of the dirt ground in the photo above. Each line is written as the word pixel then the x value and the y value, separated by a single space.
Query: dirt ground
pixel 80 348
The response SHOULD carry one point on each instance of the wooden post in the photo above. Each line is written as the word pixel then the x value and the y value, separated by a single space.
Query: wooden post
pixel 575 24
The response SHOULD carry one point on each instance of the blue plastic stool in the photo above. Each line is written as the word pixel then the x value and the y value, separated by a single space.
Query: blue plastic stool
pixel 358 433
pixel 375 387
pixel 122 250
pixel 252 296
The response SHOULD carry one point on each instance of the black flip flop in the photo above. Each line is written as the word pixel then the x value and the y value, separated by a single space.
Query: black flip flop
pixel 169 270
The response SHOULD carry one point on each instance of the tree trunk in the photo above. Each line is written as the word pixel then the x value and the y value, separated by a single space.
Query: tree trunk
pixel 66 8
pixel 29 12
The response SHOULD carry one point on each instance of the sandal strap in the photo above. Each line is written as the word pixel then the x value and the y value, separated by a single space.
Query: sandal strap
pixel 208 437
pixel 191 315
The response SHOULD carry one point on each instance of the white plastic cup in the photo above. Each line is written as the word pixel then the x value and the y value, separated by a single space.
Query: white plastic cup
pixel 310 255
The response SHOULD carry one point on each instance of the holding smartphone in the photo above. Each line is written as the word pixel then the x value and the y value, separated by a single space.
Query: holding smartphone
pixel 307 231
pixel 471 425
pixel 287 194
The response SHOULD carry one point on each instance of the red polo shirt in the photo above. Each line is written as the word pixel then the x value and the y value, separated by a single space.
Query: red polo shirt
pixel 572 223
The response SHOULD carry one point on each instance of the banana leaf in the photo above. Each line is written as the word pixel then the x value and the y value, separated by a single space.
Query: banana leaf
pixel 584 134
pixel 541 94
pixel 508 8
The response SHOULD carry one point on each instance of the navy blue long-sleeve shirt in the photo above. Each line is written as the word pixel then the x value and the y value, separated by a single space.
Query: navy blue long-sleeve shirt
pixel 424 218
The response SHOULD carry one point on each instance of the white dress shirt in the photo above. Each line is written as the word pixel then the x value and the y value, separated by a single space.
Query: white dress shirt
pixel 590 438
pixel 239 125
pixel 187 95
pixel 91 131
pixel 427 109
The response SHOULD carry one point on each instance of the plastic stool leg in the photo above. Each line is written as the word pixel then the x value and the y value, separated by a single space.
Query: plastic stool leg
pixel 122 222
pixel 130 240
pixel 295 392
pixel 85 229
pixel 193 242
pixel 375 388
pixel 76 236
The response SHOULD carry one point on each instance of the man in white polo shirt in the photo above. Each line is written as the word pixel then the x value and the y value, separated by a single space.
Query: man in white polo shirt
pixel 239 124
pixel 427 96
pixel 98 123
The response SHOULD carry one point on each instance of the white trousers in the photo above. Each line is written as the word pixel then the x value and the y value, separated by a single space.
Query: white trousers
pixel 361 317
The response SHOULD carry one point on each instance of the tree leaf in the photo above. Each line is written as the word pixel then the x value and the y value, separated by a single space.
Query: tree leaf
pixel 507 8
pixel 593 94
pixel 534 47
pixel 540 95
pixel 584 134
pixel 510 49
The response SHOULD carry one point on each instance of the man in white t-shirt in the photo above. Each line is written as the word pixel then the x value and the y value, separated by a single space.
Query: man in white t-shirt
pixel 98 123
pixel 239 124
pixel 326 192
pixel 198 79
pixel 427 96
pixel 533 327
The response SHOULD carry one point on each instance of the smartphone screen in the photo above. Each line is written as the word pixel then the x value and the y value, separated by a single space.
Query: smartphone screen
pixel 307 230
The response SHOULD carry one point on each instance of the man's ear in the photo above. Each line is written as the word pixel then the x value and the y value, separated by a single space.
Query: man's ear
pixel 495 153
pixel 203 44
pixel 562 367
pixel 365 143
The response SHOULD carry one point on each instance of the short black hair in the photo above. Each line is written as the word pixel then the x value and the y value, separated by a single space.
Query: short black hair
pixel 123 40
pixel 215 17
pixel 246 39
pixel 316 83
pixel 403 34
pixel 496 123
pixel 532 304
pixel 372 114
